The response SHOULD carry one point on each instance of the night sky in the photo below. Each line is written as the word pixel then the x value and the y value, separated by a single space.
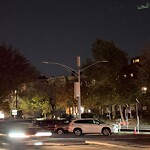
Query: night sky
pixel 60 30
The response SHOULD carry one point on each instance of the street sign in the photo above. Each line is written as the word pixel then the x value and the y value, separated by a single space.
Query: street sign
pixel 14 112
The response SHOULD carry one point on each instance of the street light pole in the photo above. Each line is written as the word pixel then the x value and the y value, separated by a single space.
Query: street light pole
pixel 78 75
pixel 137 115
pixel 79 82
pixel 16 101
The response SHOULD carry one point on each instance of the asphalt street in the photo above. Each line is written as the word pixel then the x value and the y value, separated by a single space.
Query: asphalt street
pixel 116 140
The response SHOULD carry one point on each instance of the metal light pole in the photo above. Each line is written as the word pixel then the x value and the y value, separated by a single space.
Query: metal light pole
pixel 78 75
pixel 16 101
pixel 137 115
pixel 79 82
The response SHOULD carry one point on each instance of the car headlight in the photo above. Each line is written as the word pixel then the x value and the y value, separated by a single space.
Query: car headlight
pixel 43 134
pixel 38 143
pixel 18 135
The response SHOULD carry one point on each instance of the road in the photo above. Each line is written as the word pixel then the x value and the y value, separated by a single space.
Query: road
pixel 125 141
pixel 117 141
pixel 87 147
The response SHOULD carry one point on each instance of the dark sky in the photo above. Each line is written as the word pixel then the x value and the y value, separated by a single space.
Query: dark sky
pixel 60 30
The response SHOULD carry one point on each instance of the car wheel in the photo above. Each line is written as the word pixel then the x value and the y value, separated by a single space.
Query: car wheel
pixel 60 131
pixel 78 132
pixel 106 131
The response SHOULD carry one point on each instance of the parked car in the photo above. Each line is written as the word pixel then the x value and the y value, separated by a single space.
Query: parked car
pixel 83 126
pixel 47 123
pixel 62 127
pixel 50 124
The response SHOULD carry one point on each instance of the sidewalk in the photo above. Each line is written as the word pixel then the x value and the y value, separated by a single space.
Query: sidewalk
pixel 144 129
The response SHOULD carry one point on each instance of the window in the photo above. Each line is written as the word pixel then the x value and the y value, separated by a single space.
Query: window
pixel 136 60
pixel 84 121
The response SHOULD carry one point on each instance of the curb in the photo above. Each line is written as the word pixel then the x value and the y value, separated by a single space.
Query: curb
pixel 124 144
pixel 63 144
pixel 104 144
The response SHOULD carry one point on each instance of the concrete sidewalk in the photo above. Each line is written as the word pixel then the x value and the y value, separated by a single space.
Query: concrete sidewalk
pixel 144 129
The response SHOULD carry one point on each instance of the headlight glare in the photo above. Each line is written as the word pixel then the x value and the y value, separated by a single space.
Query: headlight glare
pixel 18 135
pixel 43 134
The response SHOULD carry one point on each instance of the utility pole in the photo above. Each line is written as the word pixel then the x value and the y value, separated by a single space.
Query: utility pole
pixel 79 89
pixel 16 101
pixel 77 73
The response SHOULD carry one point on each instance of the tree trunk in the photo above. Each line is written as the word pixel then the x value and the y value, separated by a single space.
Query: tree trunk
pixel 121 114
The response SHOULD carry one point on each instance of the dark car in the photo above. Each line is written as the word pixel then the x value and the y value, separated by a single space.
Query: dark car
pixel 50 123
pixel 23 134
pixel 62 127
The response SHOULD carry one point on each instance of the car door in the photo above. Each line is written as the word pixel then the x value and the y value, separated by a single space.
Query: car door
pixel 91 126
pixel 95 126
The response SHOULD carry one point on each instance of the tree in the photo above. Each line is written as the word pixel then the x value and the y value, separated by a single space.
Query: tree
pixel 15 70
pixel 144 74
pixel 103 79
pixel 33 100
pixel 48 96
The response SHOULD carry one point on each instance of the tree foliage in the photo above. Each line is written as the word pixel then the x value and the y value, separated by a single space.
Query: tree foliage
pixel 34 100
pixel 15 70
pixel 48 96
pixel 103 79
pixel 144 74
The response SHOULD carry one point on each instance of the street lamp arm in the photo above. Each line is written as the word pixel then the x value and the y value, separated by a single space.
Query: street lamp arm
pixel 100 61
pixel 64 66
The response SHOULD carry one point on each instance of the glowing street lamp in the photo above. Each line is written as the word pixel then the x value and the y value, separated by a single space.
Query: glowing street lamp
pixel 144 89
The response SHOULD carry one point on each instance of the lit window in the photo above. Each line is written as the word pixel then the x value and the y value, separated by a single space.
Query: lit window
pixel 125 75
pixel 136 60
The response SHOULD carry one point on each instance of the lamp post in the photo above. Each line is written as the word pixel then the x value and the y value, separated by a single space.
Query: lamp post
pixel 79 87
pixel 137 115
pixel 16 101
pixel 78 75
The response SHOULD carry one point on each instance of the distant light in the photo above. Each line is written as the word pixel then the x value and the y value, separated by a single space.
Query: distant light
pixel 125 75
pixel 18 135
pixel 144 89
pixel 82 109
pixel 2 115
pixel 131 74
pixel 38 143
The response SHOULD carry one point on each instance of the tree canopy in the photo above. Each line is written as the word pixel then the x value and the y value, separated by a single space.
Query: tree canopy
pixel 103 79
pixel 15 70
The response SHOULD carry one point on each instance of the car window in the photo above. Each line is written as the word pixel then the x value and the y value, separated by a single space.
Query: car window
pixel 80 121
pixel 96 122
pixel 101 122
pixel 84 121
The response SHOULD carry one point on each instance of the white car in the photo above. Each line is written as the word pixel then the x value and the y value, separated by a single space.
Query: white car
pixel 87 126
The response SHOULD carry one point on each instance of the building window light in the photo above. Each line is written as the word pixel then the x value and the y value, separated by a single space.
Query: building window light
pixel 125 75
pixel 136 60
